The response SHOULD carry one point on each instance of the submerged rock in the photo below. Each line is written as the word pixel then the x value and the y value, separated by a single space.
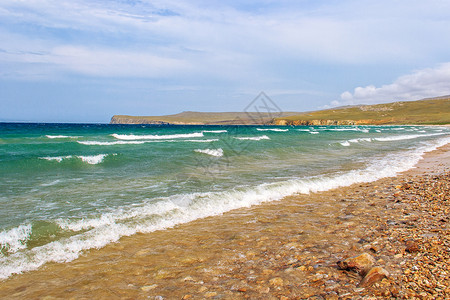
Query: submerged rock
pixel 361 264
pixel 374 275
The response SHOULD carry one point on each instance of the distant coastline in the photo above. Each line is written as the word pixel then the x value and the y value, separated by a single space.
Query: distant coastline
pixel 431 111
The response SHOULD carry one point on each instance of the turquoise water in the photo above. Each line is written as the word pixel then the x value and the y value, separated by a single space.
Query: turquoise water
pixel 65 188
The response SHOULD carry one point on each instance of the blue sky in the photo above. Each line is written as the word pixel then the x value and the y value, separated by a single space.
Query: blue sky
pixel 85 60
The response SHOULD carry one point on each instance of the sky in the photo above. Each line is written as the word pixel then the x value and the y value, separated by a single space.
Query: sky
pixel 86 60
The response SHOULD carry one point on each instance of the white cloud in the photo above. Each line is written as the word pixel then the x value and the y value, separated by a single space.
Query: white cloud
pixel 222 39
pixel 112 63
pixel 430 82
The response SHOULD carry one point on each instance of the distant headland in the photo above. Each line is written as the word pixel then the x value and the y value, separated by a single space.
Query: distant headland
pixel 430 111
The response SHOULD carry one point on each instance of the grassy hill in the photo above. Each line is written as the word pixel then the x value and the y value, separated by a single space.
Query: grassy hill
pixel 427 112
pixel 200 118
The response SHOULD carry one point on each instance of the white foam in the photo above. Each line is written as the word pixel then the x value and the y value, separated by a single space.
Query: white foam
pixel 51 183
pixel 92 159
pixel 212 152
pixel 15 239
pixel 201 141
pixel 305 130
pixel 61 137
pixel 97 143
pixel 130 137
pixel 345 143
pixel 360 140
pixel 254 138
pixel 343 129
pixel 405 137
pixel 215 131
pixel 57 158
pixel 314 132
pixel 272 129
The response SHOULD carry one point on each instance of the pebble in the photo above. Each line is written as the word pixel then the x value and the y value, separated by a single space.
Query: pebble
pixel 147 288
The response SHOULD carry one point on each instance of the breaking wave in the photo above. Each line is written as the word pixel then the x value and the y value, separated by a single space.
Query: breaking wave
pixel 212 152
pixel 129 137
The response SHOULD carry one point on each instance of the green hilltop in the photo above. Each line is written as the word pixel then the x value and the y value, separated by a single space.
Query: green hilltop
pixel 432 111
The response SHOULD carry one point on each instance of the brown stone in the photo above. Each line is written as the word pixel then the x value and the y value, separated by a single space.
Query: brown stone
pixel 411 246
pixel 277 281
pixel 374 275
pixel 360 264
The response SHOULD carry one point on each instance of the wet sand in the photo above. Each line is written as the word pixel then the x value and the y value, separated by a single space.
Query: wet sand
pixel 285 249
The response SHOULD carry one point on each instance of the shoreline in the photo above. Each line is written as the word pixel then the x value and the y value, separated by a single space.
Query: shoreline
pixel 286 248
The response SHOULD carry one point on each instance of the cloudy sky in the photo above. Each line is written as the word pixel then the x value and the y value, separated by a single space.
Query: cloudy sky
pixel 85 60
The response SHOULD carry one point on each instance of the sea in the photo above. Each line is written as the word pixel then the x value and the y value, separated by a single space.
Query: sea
pixel 68 188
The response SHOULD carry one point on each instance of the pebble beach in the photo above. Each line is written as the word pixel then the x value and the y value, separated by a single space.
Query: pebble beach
pixel 380 240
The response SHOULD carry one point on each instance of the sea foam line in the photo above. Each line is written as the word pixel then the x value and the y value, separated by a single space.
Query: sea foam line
pixel 215 131
pixel 388 139
pixel 212 152
pixel 61 137
pixel 254 138
pixel 156 137
pixel 272 129
pixel 405 137
pixel 98 143
pixel 90 159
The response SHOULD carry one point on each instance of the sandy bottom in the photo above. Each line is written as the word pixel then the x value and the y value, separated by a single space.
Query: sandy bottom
pixel 286 249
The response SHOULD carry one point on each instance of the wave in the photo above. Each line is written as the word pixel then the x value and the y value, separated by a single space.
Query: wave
pixel 201 141
pixel 166 212
pixel 215 131
pixel 54 182
pixel 254 138
pixel 212 152
pixel 14 239
pixel 61 137
pixel 343 129
pixel 130 137
pixel 98 143
pixel 95 143
pixel 405 137
pixel 314 132
pixel 91 159
pixel 354 141
pixel 387 139
pixel 272 129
